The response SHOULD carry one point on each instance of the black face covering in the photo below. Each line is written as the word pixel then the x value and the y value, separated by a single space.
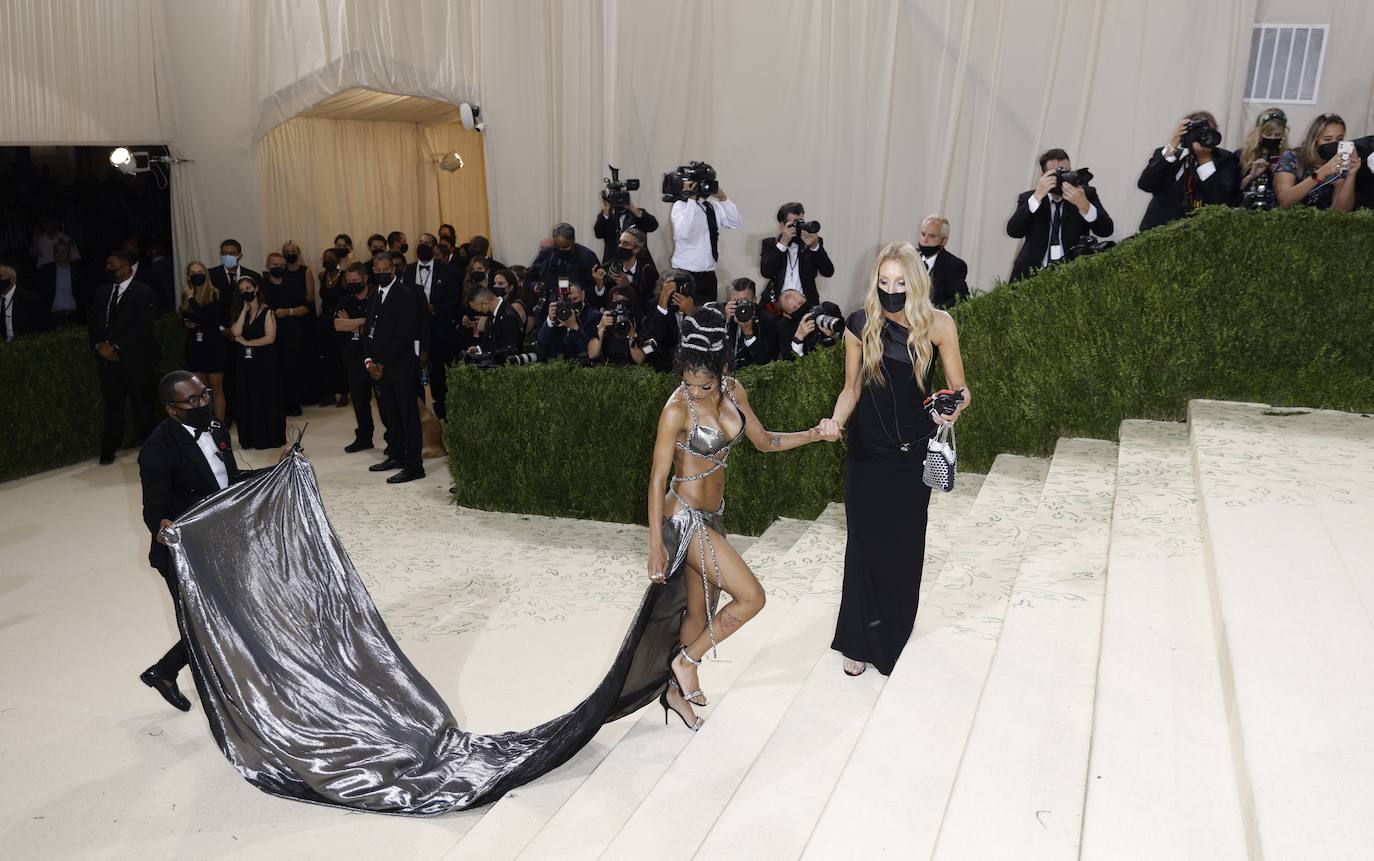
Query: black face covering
pixel 197 279
pixel 625 253
pixel 248 295
pixel 1269 146
pixel 499 291
pixel 1327 151
pixel 355 288
pixel 477 276
pixel 892 301
pixel 200 417
pixel 928 250
pixel 424 252
pixel 291 258
pixel 5 285
pixel 277 271
pixel 403 248
pixel 380 279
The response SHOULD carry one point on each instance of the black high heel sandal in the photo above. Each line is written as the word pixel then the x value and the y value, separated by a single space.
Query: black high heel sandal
pixel 663 701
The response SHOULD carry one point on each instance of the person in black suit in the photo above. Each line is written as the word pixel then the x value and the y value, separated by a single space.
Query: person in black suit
pixel 753 341
pixel 948 274
pixel 1051 226
pixel 1364 176
pixel 794 259
pixel 802 327
pixel 1179 179
pixel 121 332
pixel 395 347
pixel 439 284
pixel 677 292
pixel 21 312
pixel 185 459
pixel 64 287
pixel 564 258
pixel 631 266
pixel 504 332
pixel 617 339
pixel 225 279
pixel 612 223
pixel 349 318
pixel 147 272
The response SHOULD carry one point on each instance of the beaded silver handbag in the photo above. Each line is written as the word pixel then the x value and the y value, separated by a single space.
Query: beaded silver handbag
pixel 942 459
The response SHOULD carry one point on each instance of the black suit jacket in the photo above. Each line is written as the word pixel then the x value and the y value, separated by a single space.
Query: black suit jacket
pixel 1364 180
pixel 773 266
pixel 393 327
pixel 27 312
pixel 175 476
pixel 1168 198
pixel 764 349
pixel 128 326
pixel 81 287
pixel 662 328
pixel 644 282
pixel 504 333
pixel 1034 227
pixel 948 280
pixel 227 294
pixel 445 296
pixel 787 329
pixel 609 227
pixel 576 264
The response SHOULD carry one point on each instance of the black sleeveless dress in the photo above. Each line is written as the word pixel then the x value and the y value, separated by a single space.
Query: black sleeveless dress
pixel 261 417
pixel 295 340
pixel 885 504
pixel 206 348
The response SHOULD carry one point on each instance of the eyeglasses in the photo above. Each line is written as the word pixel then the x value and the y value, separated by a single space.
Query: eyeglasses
pixel 197 400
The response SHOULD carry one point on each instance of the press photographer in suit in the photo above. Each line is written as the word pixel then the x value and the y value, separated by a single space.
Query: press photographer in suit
pixel 1055 215
pixel 439 284
pixel 563 257
pixel 750 331
pixel 948 274
pixel 677 298
pixel 504 332
pixel 1190 170
pixel 631 266
pixel 803 327
pixel 185 459
pixel 795 258
pixel 613 221
pixel 121 331
pixel 395 347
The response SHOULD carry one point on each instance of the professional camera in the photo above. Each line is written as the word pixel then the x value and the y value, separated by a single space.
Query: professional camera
pixel 825 321
pixel 808 226
pixel 1199 132
pixel 616 267
pixel 530 358
pixel 621 317
pixel 1080 178
pixel 617 193
pixel 1260 194
pixel 745 310
pixel 564 309
pixel 1086 245
pixel 647 345
pixel 700 171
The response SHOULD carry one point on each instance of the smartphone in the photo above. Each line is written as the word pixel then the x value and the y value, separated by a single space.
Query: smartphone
pixel 1343 151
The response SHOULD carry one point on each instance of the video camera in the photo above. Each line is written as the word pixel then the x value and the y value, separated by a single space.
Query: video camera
pixel 1080 178
pixel 617 193
pixel 698 171
pixel 1201 133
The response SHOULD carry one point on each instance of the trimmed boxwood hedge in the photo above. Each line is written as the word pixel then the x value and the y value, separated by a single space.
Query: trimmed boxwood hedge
pixel 50 408
pixel 1275 307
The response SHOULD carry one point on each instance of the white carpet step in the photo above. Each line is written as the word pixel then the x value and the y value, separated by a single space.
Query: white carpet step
pixel 1020 786
pixel 1288 503
pixel 1160 741
pixel 891 796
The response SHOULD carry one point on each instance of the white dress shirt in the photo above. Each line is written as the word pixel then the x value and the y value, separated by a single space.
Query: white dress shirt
pixel 206 443
pixel 791 278
pixel 7 302
pixel 692 235
pixel 930 261
pixel 1056 250
pixel 1204 171
pixel 424 274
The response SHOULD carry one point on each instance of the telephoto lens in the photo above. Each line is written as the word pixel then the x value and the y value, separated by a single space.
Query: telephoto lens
pixel 826 321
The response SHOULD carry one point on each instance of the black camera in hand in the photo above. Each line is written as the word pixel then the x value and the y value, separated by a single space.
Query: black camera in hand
pixel 1079 178
pixel 622 318
pixel 647 345
pixel 617 193
pixel 1260 194
pixel 745 310
pixel 1199 132
pixel 564 309
pixel 674 184
pixel 944 402
pixel 807 226
pixel 1087 244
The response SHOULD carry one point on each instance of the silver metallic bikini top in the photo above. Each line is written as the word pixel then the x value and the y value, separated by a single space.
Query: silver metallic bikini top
pixel 710 443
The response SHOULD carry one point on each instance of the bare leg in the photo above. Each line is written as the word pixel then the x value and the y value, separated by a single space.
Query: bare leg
pixel 742 586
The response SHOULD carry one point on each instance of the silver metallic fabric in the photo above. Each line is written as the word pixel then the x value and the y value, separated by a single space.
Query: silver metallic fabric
pixel 308 695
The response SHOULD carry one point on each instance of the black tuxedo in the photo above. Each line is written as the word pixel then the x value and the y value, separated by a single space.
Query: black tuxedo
pixel 609 227
pixel 81 287
pixel 26 313
pixel 390 335
pixel 576 264
pixel 773 266
pixel 948 280
pixel 644 282
pixel 787 329
pixel 1034 227
pixel 504 333
pixel 226 288
pixel 764 348
pixel 445 299
pixel 1168 189
pixel 176 475
pixel 127 324
pixel 663 328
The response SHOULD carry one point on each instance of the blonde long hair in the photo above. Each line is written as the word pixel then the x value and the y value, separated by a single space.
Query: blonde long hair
pixel 920 315
pixel 206 293
pixel 1307 153
pixel 1274 128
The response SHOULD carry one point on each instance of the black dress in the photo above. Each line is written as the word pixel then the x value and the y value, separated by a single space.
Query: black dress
pixel 885 504
pixel 330 372
pixel 206 348
pixel 261 416
pixel 295 340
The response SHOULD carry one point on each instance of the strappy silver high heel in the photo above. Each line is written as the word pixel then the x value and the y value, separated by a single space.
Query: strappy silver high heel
pixel 663 701
pixel 696 697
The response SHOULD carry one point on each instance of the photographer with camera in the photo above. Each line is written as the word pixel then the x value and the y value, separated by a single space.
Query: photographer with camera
pixel 796 257
pixel 569 323
pixel 948 274
pixel 803 327
pixel 1048 225
pixel 1189 171
pixel 619 213
pixel 751 332
pixel 676 300
pixel 1319 173
pixel 1258 157
pixel 617 334
pixel 503 333
pixel 700 211
pixel 630 266
pixel 563 257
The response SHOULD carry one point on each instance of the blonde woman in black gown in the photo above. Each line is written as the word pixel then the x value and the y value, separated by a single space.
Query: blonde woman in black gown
pixel 702 421
pixel 891 346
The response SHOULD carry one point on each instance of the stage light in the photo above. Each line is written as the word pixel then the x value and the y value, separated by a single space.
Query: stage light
pixel 451 161
pixel 121 158
pixel 470 114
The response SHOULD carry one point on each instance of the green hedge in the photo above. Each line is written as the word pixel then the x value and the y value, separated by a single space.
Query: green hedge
pixel 1276 307
pixel 50 407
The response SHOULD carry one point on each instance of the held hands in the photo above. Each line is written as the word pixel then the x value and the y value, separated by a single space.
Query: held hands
pixel 789 232
pixel 810 240
pixel 828 430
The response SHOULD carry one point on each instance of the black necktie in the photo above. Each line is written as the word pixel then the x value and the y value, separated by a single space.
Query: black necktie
pixel 711 226
pixel 1056 225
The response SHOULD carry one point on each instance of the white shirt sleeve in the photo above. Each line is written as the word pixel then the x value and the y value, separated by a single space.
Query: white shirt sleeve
pixel 1032 204
pixel 729 214
pixel 1205 171
pixel 1170 155
pixel 1091 215
pixel 689 221
pixel 798 348
pixel 781 247
pixel 749 341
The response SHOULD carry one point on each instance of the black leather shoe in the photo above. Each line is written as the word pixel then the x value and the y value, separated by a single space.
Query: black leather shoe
pixel 358 445
pixel 386 465
pixel 106 459
pixel 406 475
pixel 167 687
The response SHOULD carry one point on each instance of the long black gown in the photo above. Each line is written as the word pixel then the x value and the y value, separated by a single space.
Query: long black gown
pixel 261 417
pixel 308 695
pixel 295 340
pixel 885 503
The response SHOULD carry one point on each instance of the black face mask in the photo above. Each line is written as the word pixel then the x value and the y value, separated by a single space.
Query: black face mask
pixel 197 279
pixel 893 302
pixel 380 279
pixel 403 248
pixel 499 291
pixel 355 287
pixel 424 252
pixel 248 295
pixel 291 258
pixel 1327 151
pixel 112 273
pixel 1269 146
pixel 277 271
pixel 625 253
pixel 928 250
pixel 341 253
pixel 373 252
pixel 5 285
pixel 477 276
pixel 200 417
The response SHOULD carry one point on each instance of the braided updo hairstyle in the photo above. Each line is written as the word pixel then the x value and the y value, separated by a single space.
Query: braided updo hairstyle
pixel 702 346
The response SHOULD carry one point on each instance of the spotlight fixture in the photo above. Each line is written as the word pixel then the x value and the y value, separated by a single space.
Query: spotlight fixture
pixel 121 158
pixel 471 114
pixel 133 162
pixel 450 161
